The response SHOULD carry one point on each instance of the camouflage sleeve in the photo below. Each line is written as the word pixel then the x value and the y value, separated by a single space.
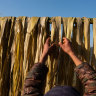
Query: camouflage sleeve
pixel 87 75
pixel 35 80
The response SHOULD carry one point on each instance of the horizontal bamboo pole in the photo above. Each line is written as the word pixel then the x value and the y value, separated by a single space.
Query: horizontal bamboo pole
pixel 90 20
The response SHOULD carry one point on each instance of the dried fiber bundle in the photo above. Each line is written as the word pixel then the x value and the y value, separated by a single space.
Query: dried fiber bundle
pixel 30 43
pixel 37 32
pixel 52 78
pixel 43 33
pixel 21 45
pixel 93 62
pixel 86 39
pixel 77 40
pixel 66 67
pixel 5 43
pixel 17 53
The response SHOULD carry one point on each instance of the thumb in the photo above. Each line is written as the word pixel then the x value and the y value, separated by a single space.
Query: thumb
pixel 48 40
pixel 60 44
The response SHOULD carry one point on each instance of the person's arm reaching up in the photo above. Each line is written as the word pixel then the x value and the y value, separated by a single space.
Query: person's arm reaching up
pixel 66 47
pixel 35 79
pixel 85 72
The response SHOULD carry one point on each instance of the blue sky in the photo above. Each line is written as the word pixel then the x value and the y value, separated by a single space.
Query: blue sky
pixel 64 8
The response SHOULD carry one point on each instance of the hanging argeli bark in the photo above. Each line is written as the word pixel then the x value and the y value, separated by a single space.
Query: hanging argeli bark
pixel 17 54
pixel 78 45
pixel 52 78
pixel 94 44
pixel 65 61
pixel 21 45
pixel 30 43
pixel 6 40
pixel 86 39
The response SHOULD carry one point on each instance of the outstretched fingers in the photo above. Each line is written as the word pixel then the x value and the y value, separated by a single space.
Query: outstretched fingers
pixel 48 40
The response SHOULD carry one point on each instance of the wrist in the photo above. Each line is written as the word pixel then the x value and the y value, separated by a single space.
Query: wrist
pixel 75 59
pixel 43 58
pixel 71 53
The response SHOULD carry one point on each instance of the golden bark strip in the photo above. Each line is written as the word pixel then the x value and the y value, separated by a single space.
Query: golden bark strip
pixel 2 26
pixel 41 36
pixel 3 22
pixel 75 48
pixel 22 22
pixel 52 79
pixel 68 26
pixel 79 37
pixel 94 44
pixel 77 45
pixel 43 33
pixel 32 42
pixel 86 39
pixel 17 58
pixel 56 37
pixel 29 44
pixel 6 41
pixel 17 54
pixel 11 38
pixel 56 29
pixel 65 62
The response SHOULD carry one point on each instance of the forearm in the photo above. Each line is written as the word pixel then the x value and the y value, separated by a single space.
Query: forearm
pixel 43 58
pixel 84 71
pixel 87 75
pixel 35 79
pixel 75 59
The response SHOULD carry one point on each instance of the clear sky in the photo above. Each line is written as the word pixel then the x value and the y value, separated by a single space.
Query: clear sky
pixel 64 8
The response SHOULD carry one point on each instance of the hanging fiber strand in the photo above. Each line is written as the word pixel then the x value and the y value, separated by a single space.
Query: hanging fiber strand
pixel 29 44
pixel 17 52
pixel 86 39
pixel 65 62
pixel 77 45
pixel 42 35
pixel 52 78
pixel 94 44
pixel 2 27
pixel 6 41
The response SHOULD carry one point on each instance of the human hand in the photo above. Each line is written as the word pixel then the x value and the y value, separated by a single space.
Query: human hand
pixel 66 46
pixel 48 49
